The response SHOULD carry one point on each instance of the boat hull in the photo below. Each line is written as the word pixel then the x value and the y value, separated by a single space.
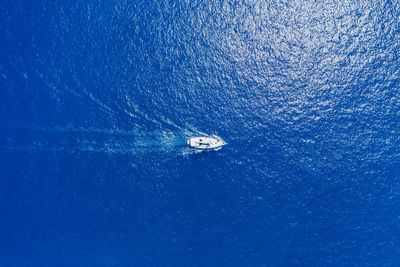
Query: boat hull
pixel 206 143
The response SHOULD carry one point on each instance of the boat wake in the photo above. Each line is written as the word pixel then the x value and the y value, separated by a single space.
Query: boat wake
pixel 71 139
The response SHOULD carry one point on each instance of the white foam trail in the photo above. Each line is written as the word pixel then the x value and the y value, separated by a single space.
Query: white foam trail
pixel 73 139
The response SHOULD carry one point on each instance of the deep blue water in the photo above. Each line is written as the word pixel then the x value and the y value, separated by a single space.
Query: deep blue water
pixel 97 99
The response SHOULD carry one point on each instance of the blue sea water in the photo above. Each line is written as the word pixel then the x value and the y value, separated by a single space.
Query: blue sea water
pixel 97 99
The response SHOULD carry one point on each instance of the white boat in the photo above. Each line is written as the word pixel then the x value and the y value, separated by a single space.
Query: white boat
pixel 206 142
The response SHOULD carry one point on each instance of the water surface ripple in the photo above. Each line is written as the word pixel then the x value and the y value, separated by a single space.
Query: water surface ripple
pixel 98 98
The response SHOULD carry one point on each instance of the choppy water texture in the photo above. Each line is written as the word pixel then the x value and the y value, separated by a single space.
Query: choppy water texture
pixel 97 99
